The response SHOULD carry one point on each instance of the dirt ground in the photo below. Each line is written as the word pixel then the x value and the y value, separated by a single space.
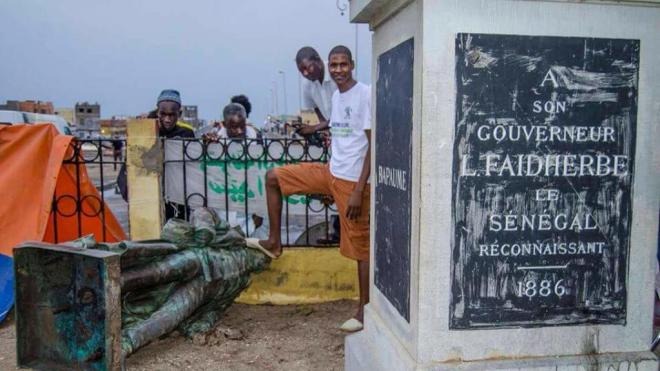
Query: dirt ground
pixel 249 337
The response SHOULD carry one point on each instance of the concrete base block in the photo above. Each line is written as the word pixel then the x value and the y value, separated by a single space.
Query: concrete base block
pixel 639 361
pixel 375 348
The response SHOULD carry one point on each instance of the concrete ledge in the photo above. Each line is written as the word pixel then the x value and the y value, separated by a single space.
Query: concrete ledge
pixel 376 348
pixel 304 276
pixel 638 361
pixel 612 2
pixel 375 12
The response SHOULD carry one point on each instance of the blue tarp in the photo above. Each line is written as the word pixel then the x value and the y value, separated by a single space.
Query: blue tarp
pixel 6 285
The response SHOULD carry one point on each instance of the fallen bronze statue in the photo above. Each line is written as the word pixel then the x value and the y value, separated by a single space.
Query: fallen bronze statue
pixel 87 305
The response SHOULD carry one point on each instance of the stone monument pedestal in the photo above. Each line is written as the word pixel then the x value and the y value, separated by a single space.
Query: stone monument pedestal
pixel 516 176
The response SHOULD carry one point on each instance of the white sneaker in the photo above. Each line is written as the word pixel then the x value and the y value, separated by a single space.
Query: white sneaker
pixel 352 325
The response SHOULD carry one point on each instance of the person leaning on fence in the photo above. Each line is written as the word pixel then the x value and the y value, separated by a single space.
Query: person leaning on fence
pixel 345 178
pixel 245 102
pixel 317 88
pixel 234 125
pixel 167 113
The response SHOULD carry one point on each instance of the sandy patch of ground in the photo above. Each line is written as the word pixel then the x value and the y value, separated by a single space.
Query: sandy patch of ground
pixel 249 337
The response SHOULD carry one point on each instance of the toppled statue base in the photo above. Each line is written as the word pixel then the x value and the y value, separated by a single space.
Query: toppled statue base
pixel 67 296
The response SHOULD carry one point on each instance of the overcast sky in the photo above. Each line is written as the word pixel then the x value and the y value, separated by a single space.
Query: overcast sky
pixel 121 53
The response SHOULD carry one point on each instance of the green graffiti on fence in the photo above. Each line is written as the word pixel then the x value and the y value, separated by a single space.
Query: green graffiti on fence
pixel 237 188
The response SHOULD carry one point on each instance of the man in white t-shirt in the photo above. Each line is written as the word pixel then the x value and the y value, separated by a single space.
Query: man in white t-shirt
pixel 346 178
pixel 317 88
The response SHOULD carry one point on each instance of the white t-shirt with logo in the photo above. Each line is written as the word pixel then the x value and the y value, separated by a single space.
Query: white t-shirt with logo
pixel 351 116
pixel 319 95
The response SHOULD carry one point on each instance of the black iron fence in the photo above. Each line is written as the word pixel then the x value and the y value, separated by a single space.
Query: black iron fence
pixel 89 163
pixel 229 177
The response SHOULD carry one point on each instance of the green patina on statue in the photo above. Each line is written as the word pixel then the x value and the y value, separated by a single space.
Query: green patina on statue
pixel 184 281
pixel 87 305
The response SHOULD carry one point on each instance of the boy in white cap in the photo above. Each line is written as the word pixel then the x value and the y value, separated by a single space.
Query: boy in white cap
pixel 168 112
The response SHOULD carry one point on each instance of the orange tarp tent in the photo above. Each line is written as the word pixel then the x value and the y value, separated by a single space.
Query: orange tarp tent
pixel 32 175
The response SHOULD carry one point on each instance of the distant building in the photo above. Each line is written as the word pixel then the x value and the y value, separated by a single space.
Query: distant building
pixel 91 128
pixel 84 111
pixel 33 106
pixel 67 114
pixel 87 116
pixel 189 115
pixel 113 127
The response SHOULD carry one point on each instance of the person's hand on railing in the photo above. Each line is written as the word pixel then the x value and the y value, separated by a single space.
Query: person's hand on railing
pixel 210 137
pixel 327 200
pixel 305 129
pixel 327 139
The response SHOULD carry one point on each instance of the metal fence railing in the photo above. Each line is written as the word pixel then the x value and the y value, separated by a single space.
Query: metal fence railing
pixel 99 161
pixel 229 177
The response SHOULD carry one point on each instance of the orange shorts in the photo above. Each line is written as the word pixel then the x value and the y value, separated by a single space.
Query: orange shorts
pixel 315 178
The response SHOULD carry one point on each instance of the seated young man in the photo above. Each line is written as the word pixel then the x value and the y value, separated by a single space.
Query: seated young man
pixel 345 178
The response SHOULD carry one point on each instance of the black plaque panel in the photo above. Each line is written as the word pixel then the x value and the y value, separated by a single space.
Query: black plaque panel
pixel 394 94
pixel 542 176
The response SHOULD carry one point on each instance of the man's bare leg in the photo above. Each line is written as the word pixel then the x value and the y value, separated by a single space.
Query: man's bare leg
pixel 274 202
pixel 363 279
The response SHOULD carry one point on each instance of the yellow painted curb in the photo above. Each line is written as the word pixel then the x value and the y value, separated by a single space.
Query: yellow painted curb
pixel 304 276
